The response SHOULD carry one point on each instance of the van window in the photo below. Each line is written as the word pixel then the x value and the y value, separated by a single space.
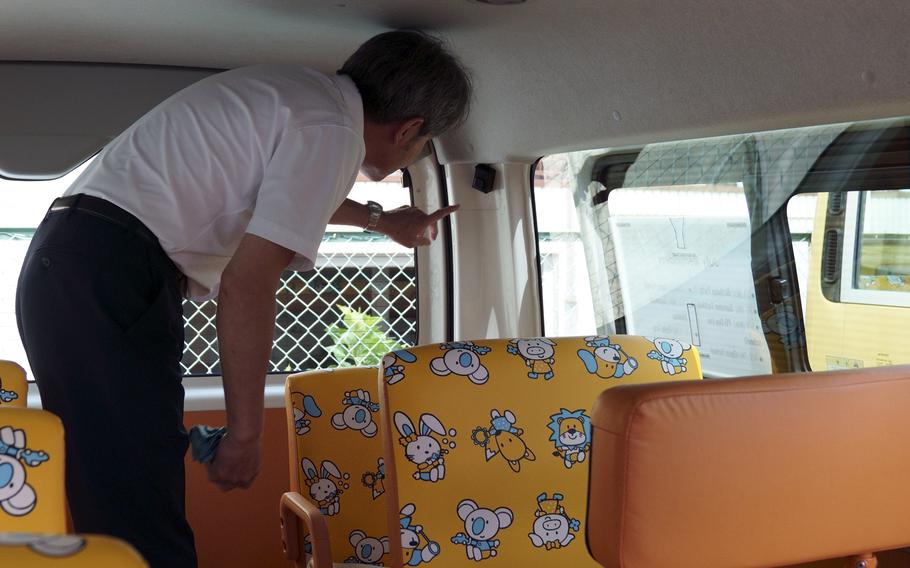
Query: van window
pixel 857 297
pixel 717 242
pixel 883 245
pixel 359 303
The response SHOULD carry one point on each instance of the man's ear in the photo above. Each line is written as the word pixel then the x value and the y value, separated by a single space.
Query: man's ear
pixel 408 131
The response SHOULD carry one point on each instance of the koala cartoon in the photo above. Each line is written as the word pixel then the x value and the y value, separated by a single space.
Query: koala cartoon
pixel 413 553
pixel 391 370
pixel 423 450
pixel 358 414
pixel 552 527
pixel 305 407
pixel 324 486
pixel 571 434
pixel 669 353
pixel 504 439
pixel 463 359
pixel 367 549
pixel 480 526
pixel 608 361
pixel 537 354
pixel 17 497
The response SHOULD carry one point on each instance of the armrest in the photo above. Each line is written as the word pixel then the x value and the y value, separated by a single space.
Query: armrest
pixel 292 509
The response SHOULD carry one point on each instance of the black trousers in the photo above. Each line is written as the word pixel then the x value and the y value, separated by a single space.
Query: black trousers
pixel 100 314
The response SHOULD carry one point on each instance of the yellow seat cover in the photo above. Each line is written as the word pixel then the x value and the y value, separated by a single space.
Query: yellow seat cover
pixel 491 443
pixel 28 550
pixel 13 386
pixel 336 458
pixel 32 494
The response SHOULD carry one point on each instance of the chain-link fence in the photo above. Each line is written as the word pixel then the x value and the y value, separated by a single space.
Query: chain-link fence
pixel 366 272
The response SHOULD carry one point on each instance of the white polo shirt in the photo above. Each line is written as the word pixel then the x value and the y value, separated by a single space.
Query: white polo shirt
pixel 270 150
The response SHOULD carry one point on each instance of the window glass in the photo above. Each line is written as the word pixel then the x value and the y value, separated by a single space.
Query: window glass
pixel 857 266
pixel 359 302
pixel 685 240
pixel 565 287
pixel 883 255
pixel 685 271
pixel 22 206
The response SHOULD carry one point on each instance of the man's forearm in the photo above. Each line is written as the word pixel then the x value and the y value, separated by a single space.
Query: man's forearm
pixel 351 213
pixel 246 323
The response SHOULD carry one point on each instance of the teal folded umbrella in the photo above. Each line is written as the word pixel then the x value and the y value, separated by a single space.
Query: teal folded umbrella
pixel 204 442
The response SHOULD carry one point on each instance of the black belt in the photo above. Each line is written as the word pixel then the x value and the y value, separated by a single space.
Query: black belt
pixel 105 210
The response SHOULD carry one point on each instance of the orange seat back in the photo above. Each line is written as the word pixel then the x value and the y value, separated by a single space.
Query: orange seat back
pixel 13 386
pixel 763 471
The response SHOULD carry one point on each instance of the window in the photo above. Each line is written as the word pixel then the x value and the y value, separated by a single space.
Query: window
pixel 717 242
pixel 22 206
pixel 565 288
pixel 856 300
pixel 364 275
pixel 881 270
pixel 366 272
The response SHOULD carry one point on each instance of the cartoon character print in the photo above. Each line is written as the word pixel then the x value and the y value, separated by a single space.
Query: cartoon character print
pixel 7 396
pixel 53 546
pixel 552 528
pixel 17 497
pixel 358 414
pixel 326 485
pixel 462 359
pixel 537 354
pixel 411 536
pixel 785 323
pixel 504 439
pixel 669 352
pixel 305 407
pixel 570 432
pixel 392 371
pixel 423 449
pixel 608 360
pixel 375 480
pixel 367 549
pixel 481 526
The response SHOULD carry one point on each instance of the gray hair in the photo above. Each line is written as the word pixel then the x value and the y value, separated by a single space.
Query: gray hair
pixel 410 74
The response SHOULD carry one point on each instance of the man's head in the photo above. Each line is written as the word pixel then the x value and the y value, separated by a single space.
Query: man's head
pixel 413 89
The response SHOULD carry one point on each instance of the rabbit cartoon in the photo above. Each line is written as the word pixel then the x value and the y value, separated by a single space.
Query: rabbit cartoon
pixel 323 486
pixel 423 449
pixel 305 407
pixel 392 370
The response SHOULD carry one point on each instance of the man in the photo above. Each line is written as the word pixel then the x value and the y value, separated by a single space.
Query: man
pixel 214 192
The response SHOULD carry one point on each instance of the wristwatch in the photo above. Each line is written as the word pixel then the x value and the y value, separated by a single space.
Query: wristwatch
pixel 375 214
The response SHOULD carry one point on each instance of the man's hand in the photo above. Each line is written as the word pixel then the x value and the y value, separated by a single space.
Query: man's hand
pixel 236 463
pixel 411 227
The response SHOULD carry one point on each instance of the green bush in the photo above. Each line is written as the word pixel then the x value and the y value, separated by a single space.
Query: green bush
pixel 358 339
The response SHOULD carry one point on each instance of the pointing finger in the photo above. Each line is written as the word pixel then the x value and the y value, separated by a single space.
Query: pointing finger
pixel 442 213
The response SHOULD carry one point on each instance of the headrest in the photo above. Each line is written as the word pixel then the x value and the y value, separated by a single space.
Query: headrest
pixel 757 471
